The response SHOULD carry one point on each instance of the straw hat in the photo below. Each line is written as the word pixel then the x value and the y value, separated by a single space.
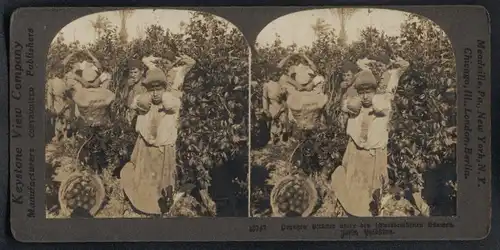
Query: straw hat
pixel 155 77
pixel 303 73
pixel 349 66
pixel 365 79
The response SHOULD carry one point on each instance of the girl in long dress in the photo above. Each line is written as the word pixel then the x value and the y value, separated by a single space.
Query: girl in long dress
pixel 149 179
pixel 152 168
pixel 364 168
pixel 347 89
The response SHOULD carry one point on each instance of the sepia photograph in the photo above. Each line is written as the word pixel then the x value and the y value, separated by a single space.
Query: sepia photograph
pixel 147 116
pixel 353 114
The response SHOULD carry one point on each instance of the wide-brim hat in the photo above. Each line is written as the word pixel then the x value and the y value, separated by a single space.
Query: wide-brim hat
pixel 155 77
pixel 89 71
pixel 380 57
pixel 134 64
pixel 365 80
pixel 303 73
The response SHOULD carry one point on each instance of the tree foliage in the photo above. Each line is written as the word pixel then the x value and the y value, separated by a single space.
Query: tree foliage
pixel 423 125
pixel 213 117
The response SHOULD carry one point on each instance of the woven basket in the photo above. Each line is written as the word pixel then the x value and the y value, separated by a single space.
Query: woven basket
pixel 307 119
pixel 186 206
pixel 67 185
pixel 93 104
pixel 280 188
pixel 306 108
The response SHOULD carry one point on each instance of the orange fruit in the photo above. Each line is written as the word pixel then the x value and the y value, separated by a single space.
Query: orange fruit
pixel 354 104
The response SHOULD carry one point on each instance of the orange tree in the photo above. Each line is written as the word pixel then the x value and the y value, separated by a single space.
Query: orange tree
pixel 423 137
pixel 213 117
pixel 423 125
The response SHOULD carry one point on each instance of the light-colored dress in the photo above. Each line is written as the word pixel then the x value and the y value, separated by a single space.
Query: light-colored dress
pixel 152 166
pixel 364 166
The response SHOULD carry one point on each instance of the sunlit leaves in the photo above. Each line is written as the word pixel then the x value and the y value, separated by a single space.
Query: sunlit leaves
pixel 213 119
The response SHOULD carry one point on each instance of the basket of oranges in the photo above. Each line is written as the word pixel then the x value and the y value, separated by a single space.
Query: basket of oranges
pixel 294 194
pixel 83 191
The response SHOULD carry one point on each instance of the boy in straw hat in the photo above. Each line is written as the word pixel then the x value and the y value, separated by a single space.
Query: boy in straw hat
pixel 89 75
pixel 134 86
pixel 364 167
pixel 87 85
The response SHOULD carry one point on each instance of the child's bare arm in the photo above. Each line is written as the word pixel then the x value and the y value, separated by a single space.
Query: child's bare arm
pixel 183 70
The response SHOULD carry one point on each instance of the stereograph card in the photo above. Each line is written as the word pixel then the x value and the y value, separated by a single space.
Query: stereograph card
pixel 250 123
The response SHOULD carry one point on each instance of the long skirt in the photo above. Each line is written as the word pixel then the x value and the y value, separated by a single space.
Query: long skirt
pixel 362 174
pixel 149 173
